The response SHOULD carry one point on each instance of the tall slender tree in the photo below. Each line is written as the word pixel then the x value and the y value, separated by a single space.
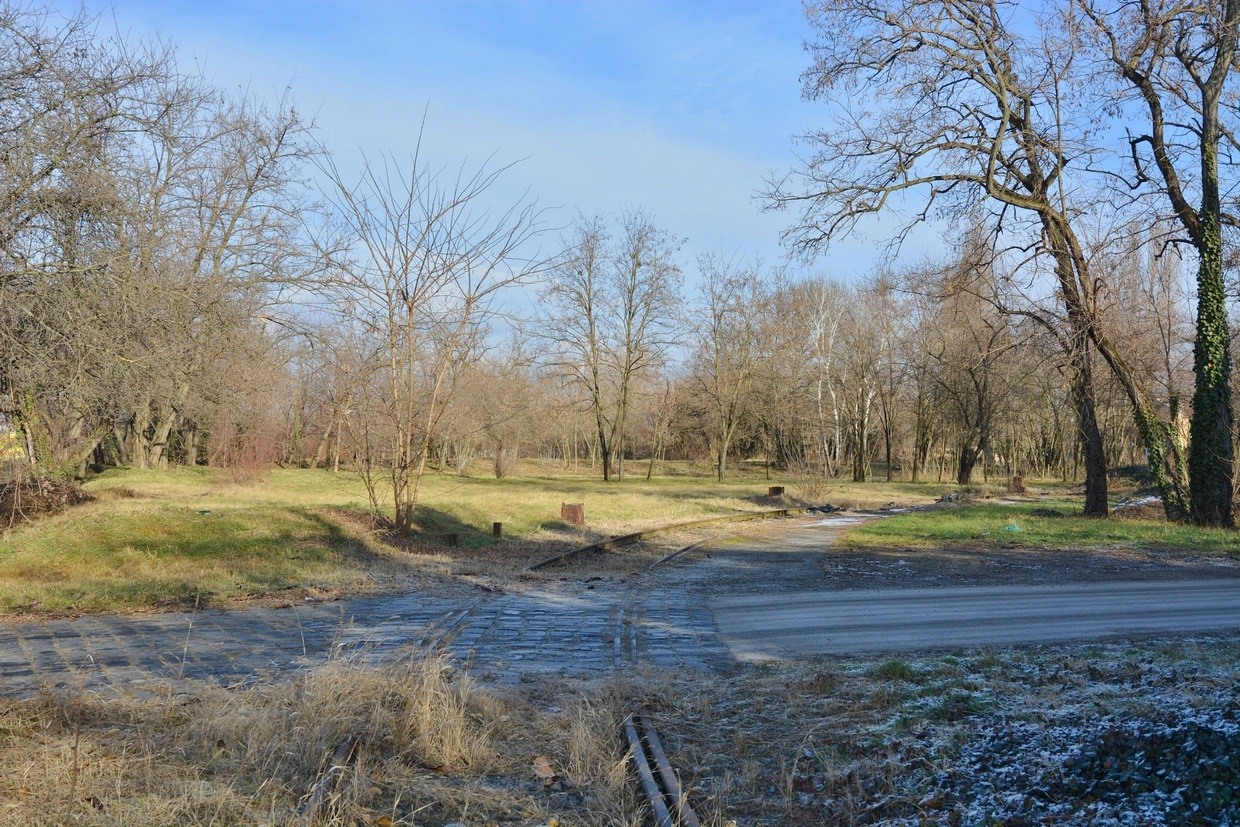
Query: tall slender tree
pixel 418 261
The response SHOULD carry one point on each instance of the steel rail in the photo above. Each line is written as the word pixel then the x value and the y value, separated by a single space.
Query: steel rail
pixel 671 784
pixel 668 801
pixel 662 816
pixel 322 791
pixel 637 536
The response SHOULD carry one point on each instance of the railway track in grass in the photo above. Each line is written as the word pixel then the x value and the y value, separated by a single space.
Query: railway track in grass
pixel 637 536
pixel 669 802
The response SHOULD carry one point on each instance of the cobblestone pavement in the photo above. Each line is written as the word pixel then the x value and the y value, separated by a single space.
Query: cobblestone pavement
pixel 566 627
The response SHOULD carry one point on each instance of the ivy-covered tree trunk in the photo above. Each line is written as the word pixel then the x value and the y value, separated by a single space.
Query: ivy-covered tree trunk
pixel 1191 50
pixel 1210 453
pixel 1210 459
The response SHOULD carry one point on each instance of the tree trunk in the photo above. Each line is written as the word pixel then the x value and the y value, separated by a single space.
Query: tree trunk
pixel 604 452
pixel 120 434
pixel 861 450
pixel 1211 454
pixel 887 446
pixel 838 432
pixel 336 447
pixel 137 434
pixel 191 444
pixel 965 462
pixel 157 448
pixel 1091 436
pixel 822 430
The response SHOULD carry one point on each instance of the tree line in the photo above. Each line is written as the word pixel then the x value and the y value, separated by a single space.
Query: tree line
pixel 188 277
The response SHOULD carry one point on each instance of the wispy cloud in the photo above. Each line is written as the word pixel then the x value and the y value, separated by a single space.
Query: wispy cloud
pixel 681 109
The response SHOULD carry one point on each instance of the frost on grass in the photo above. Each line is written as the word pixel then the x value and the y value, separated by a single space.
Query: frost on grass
pixel 1142 735
pixel 1175 762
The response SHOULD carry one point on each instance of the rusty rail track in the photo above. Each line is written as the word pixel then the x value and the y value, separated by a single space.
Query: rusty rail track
pixel 329 778
pixel 637 536
pixel 676 799
pixel 669 802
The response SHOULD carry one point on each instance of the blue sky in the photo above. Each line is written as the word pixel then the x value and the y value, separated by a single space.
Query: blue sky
pixel 678 108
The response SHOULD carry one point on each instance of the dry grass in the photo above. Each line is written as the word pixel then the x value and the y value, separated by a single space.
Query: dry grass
pixel 434 748
pixel 920 739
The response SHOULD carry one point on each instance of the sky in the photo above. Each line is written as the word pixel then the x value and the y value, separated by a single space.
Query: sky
pixel 681 109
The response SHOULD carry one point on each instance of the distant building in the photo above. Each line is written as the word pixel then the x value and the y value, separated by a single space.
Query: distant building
pixel 10 443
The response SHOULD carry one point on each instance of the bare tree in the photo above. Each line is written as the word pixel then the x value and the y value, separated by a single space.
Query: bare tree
pixel 786 425
pixel 972 112
pixel 727 323
pixel 212 197
pixel 420 257
pixel 828 302
pixel 889 326
pixel 857 380
pixel 144 216
pixel 64 98
pixel 972 346
pixel 611 312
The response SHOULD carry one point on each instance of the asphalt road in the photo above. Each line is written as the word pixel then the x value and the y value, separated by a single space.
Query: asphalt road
pixel 775 626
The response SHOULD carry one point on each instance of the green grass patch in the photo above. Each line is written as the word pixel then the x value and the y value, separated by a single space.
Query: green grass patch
pixel 895 670
pixel 91 560
pixel 991 524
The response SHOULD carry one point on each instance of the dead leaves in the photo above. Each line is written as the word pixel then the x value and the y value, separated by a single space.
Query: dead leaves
pixel 544 771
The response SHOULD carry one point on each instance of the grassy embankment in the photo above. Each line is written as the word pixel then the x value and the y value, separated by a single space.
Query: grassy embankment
pixel 148 538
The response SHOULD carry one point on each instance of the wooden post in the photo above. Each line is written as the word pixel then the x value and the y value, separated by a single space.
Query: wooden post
pixel 497 530
pixel 454 539
pixel 573 513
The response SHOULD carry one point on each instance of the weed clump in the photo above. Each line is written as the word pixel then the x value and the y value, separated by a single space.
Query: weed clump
pixel 895 670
